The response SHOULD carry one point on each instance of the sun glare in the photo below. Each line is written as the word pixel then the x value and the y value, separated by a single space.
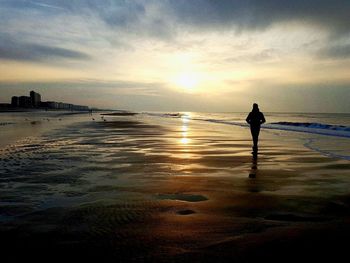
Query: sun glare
pixel 187 81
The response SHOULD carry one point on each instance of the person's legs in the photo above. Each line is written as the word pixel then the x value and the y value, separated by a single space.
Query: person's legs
pixel 255 134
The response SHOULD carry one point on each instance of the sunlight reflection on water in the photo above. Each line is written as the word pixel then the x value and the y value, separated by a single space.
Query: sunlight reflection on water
pixel 184 139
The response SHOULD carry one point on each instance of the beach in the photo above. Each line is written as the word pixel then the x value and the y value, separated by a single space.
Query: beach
pixel 179 187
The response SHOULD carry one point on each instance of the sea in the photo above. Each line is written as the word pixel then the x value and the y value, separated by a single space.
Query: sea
pixel 329 133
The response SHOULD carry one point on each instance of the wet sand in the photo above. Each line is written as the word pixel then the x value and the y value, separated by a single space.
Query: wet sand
pixel 146 189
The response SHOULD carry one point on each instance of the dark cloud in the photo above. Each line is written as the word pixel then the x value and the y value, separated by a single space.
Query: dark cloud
pixel 258 14
pixel 163 18
pixel 335 52
pixel 144 18
pixel 16 50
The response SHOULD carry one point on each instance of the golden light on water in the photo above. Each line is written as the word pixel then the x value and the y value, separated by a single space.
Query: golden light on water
pixel 184 140
pixel 184 130
pixel 184 133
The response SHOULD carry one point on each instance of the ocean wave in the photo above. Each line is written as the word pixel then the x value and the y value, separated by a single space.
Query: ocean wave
pixel 313 125
pixel 314 128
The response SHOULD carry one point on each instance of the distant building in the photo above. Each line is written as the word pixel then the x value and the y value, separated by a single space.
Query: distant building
pixel 63 106
pixel 52 104
pixel 25 102
pixel 44 104
pixel 5 105
pixel 15 101
pixel 35 99
pixel 79 108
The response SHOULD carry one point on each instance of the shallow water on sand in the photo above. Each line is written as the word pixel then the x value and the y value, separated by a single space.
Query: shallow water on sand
pixel 143 188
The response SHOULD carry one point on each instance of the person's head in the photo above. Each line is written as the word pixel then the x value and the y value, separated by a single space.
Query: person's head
pixel 255 107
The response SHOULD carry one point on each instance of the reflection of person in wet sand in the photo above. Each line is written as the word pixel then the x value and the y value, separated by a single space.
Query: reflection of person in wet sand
pixel 254 168
pixel 255 119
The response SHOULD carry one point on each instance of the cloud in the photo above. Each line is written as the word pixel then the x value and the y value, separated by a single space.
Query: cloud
pixel 143 88
pixel 265 55
pixel 335 52
pixel 166 19
pixel 277 97
pixel 257 14
pixel 21 51
pixel 40 4
pixel 158 17
pixel 44 5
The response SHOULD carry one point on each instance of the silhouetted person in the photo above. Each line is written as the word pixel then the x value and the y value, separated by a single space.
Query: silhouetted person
pixel 255 119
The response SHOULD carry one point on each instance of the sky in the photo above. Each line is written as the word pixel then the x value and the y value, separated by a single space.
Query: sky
pixel 179 55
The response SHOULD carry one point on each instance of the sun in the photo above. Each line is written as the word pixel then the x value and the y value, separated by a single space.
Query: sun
pixel 187 81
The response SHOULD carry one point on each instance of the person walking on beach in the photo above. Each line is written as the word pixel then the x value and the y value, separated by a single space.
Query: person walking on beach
pixel 255 119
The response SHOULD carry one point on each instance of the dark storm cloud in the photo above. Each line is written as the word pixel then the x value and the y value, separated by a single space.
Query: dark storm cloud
pixel 15 50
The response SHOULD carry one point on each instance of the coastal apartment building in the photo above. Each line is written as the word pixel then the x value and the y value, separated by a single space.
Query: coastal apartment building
pixel 34 101
pixel 25 102
pixel 35 98
pixel 15 101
